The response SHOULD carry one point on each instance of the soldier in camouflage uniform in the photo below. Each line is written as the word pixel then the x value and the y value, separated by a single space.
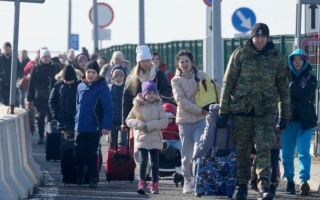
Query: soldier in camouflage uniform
pixel 255 82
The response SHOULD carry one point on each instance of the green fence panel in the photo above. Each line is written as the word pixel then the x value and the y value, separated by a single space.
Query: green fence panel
pixel 169 50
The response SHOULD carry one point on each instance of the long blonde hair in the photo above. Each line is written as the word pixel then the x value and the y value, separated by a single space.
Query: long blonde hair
pixel 133 79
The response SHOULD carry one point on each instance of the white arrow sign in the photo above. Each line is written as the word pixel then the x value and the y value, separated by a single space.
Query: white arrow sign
pixel 246 22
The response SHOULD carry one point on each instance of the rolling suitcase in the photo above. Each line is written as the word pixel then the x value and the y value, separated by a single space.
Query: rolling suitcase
pixel 120 164
pixel 53 139
pixel 216 171
pixel 68 164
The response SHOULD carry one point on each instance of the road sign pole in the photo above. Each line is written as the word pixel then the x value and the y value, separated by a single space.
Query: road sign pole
pixel 14 56
pixel 95 23
pixel 141 22
pixel 217 48
pixel 298 26
pixel 69 25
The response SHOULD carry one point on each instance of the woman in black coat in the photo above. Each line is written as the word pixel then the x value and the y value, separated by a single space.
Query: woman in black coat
pixel 62 101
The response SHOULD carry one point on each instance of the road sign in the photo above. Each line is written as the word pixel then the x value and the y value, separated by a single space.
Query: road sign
pixel 312 18
pixel 208 2
pixel 103 34
pixel 243 19
pixel 311 45
pixel 28 1
pixel 75 41
pixel 105 15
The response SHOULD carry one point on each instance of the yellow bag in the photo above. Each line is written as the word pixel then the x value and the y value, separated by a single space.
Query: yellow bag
pixel 207 94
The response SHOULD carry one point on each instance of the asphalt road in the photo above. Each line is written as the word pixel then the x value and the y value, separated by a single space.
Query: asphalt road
pixel 53 188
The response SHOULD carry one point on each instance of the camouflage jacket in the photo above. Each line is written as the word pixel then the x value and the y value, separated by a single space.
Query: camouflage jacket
pixel 256 81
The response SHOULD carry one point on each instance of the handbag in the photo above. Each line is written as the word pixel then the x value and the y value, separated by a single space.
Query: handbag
pixel 23 83
pixel 207 93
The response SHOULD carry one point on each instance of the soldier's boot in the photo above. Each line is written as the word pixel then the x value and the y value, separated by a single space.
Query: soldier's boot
pixel 291 188
pixel 305 188
pixel 273 188
pixel 242 192
pixel 265 194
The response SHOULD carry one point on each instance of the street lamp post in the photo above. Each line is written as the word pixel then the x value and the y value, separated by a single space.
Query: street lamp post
pixel 69 24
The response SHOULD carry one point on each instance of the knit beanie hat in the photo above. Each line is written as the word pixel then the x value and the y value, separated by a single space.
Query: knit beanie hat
pixel 143 53
pixel 92 65
pixel 69 73
pixel 44 52
pixel 148 86
pixel 117 54
pixel 81 57
pixel 260 29
pixel 118 69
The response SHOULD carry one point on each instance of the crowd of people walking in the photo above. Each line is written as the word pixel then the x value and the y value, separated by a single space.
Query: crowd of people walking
pixel 265 96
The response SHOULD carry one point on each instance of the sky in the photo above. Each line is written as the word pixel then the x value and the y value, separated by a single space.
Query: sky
pixel 165 20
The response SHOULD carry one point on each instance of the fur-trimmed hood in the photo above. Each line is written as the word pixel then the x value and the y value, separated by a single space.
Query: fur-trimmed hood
pixel 140 101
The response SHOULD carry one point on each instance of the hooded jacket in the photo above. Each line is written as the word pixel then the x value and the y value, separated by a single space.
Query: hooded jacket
pixel 155 119
pixel 94 107
pixel 302 92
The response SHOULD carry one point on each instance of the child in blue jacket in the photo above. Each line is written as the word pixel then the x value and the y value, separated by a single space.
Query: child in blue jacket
pixel 93 118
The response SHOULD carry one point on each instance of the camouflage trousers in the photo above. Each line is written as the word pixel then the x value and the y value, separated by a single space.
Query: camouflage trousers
pixel 260 130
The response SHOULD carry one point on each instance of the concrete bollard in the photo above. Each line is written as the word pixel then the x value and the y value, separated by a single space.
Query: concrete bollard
pixel 21 151
pixel 15 190
pixel 5 189
pixel 14 163
pixel 24 152
pixel 34 166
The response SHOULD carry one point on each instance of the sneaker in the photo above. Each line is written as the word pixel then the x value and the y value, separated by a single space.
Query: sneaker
pixel 93 182
pixel 187 187
pixel 154 188
pixel 304 189
pixel 141 186
pixel 242 192
pixel 291 189
pixel 41 141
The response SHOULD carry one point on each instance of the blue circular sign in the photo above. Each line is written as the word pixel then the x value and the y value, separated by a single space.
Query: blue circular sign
pixel 243 19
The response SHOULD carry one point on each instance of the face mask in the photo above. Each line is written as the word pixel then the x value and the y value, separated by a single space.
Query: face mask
pixel 118 84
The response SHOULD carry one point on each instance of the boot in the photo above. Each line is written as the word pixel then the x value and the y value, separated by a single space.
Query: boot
pixel 265 194
pixel 291 188
pixel 273 188
pixel 141 186
pixel 154 188
pixel 242 192
pixel 93 182
pixel 304 189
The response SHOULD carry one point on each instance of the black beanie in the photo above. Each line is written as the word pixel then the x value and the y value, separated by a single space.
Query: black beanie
pixel 92 65
pixel 260 29
pixel 69 73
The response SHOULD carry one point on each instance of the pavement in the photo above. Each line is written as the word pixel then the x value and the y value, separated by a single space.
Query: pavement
pixel 53 188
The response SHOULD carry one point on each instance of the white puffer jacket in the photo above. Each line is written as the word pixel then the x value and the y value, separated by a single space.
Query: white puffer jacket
pixel 184 90
pixel 155 119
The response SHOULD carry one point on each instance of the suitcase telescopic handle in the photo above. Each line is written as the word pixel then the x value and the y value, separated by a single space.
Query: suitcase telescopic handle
pixel 126 156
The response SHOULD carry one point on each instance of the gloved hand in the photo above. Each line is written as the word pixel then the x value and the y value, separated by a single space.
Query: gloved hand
pixel 282 124
pixel 222 121
pixel 141 125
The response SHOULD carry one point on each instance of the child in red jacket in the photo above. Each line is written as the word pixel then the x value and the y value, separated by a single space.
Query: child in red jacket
pixel 171 132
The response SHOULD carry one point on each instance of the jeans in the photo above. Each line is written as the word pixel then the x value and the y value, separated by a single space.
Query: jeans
pixel 190 134
pixel 173 143
pixel 42 110
pixel 293 137
pixel 22 96
pixel 154 157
